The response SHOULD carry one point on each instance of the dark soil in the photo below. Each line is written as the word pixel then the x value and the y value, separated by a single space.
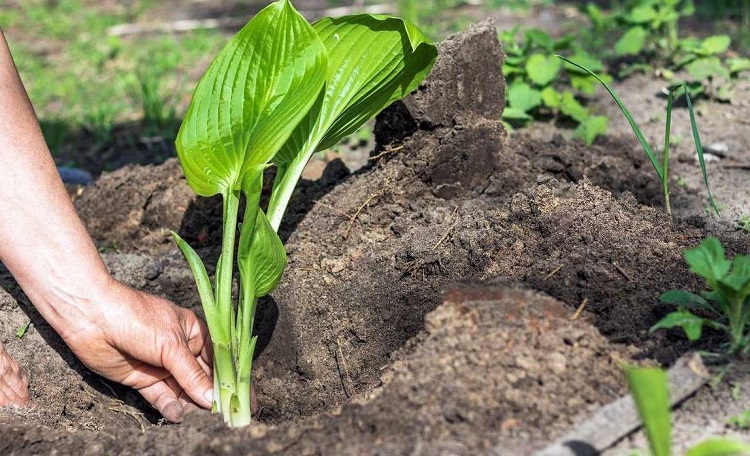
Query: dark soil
pixel 428 303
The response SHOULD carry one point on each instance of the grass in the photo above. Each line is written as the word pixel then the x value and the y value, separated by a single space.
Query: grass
pixel 79 78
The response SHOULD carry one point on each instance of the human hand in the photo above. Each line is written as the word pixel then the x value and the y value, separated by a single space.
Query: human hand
pixel 149 344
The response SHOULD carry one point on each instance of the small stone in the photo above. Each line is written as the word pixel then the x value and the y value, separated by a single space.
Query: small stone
pixel 557 363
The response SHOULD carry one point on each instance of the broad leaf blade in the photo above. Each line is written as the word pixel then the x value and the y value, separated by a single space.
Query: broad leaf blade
pixel 687 299
pixel 261 257
pixel 373 61
pixel 251 98
pixel 691 324
pixel 708 260
pixel 649 389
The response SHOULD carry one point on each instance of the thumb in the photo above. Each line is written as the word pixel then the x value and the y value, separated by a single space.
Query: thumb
pixel 185 368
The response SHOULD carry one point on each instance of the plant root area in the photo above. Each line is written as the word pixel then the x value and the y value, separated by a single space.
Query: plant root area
pixel 467 292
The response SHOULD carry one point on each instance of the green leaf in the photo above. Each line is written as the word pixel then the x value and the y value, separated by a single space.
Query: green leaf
pixel 523 97
pixel 583 63
pixel 590 128
pixel 632 42
pixel 738 64
pixel 21 331
pixel 205 291
pixel 551 97
pixel 706 68
pixel 691 324
pixel 573 108
pixel 542 69
pixel 250 99
pixel 641 14
pixel 687 299
pixel 708 260
pixel 261 258
pixel 636 130
pixel 650 391
pixel 511 113
pixel 586 84
pixel 540 38
pixel 717 44
pixel 699 148
pixel 373 61
pixel 719 446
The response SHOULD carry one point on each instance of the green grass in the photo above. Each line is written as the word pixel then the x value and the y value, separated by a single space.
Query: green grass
pixel 79 78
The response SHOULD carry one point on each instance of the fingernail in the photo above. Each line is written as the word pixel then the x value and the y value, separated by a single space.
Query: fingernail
pixel 209 396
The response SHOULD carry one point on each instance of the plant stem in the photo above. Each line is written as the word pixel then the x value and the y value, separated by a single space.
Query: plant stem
pixel 224 359
pixel 284 187
pixel 665 156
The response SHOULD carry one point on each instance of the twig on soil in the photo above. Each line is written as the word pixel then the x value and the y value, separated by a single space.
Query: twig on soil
pixel 386 152
pixel 359 211
pixel 621 271
pixel 554 271
pixel 119 406
pixel 617 419
pixel 187 25
pixel 344 376
pixel 580 309
pixel 448 231
pixel 336 210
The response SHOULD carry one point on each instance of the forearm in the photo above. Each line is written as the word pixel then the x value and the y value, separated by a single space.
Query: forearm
pixel 42 241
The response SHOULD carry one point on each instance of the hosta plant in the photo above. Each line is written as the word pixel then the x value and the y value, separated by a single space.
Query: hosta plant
pixel 280 90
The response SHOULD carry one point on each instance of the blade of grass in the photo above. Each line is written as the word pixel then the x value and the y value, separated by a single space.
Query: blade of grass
pixel 665 158
pixel 699 148
pixel 646 148
pixel 650 392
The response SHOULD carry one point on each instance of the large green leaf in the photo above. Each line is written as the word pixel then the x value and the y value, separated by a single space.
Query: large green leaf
pixel 650 392
pixel 373 61
pixel 691 324
pixel 250 99
pixel 523 97
pixel 632 42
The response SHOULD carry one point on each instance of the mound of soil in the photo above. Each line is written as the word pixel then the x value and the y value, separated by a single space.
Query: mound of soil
pixel 362 351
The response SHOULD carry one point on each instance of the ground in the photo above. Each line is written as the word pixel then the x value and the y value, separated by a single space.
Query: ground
pixel 431 301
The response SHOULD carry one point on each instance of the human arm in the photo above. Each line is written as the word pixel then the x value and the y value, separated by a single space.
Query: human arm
pixel 125 335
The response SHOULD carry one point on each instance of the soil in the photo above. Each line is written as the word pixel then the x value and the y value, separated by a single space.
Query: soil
pixel 466 292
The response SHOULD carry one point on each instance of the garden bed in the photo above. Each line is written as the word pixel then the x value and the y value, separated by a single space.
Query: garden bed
pixel 430 301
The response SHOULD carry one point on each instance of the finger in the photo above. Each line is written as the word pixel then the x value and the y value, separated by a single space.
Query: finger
pixel 165 400
pixel 10 396
pixel 190 375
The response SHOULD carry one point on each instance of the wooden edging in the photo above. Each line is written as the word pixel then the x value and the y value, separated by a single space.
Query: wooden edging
pixel 614 421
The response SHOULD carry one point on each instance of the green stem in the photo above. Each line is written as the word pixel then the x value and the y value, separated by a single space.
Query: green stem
pixel 284 188
pixel 225 379
pixel 736 324
pixel 225 268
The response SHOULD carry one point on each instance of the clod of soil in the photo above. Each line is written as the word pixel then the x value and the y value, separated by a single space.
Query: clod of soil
pixel 361 351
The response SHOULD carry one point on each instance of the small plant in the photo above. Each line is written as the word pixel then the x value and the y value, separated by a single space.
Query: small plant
pixel 661 166
pixel 743 223
pixel 651 34
pixel 650 391
pixel 159 117
pixel 281 90
pixel 727 301
pixel 741 421
pixel 531 70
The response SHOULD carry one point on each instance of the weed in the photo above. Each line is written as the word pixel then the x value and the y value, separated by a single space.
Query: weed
pixel 743 223
pixel 727 302
pixel 741 421
pixel 531 70
pixel 661 166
